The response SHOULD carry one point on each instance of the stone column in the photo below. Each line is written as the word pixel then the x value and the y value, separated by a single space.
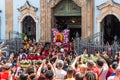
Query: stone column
pixel 9 17
pixel 49 25
pixel 42 20
pixel 84 19
pixel 87 18
pixel 90 17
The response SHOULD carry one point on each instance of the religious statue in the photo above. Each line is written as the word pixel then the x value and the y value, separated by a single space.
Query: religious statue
pixel 26 42
pixel 60 37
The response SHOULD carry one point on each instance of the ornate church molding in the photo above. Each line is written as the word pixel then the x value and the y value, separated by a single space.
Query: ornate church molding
pixel 108 8
pixel 28 10
pixel 28 7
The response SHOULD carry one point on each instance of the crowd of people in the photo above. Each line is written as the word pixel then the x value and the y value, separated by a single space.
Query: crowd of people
pixel 59 62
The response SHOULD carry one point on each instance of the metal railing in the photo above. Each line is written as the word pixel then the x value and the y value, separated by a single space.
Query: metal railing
pixel 14 42
pixel 92 44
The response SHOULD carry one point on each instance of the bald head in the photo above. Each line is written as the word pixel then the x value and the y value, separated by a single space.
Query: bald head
pixel 83 68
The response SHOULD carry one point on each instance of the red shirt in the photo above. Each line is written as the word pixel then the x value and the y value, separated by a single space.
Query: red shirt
pixel 4 75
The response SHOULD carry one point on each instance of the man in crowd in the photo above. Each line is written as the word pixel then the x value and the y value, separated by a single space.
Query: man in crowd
pixel 116 76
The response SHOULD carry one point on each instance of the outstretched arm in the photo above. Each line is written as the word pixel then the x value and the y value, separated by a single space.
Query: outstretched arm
pixel 39 69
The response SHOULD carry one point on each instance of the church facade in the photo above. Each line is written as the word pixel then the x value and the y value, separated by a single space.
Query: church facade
pixel 36 18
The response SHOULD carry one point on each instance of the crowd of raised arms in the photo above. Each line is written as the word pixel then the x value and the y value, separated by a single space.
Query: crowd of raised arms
pixel 46 61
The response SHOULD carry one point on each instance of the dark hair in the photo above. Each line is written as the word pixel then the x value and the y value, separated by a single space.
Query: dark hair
pixel 49 74
pixel 30 70
pixel 100 62
pixel 44 69
pixel 114 65
pixel 23 77
pixel 76 64
pixel 70 70
pixel 32 77
pixel 78 76
pixel 90 76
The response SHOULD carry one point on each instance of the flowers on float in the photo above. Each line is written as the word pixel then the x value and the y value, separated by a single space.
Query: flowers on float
pixel 27 62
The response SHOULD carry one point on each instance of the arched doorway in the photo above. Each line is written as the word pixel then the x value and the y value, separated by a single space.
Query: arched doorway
pixel 67 14
pixel 110 26
pixel 29 27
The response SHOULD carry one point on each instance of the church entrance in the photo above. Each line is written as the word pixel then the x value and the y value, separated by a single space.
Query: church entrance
pixel 110 26
pixel 67 15
pixel 73 23
pixel 29 27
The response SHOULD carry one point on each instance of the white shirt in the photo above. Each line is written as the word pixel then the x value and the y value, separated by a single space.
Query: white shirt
pixel 103 72
pixel 113 78
pixel 60 74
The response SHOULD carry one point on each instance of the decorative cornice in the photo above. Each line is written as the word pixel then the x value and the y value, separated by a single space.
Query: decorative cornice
pixel 108 3
pixel 27 6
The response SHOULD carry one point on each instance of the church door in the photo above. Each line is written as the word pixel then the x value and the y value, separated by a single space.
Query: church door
pixel 67 15
pixel 110 26
pixel 29 27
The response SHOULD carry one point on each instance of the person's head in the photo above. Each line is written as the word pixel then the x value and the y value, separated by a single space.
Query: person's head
pixel 11 54
pixel 76 65
pixel 114 65
pixel 78 76
pixel 65 65
pixel 97 54
pixel 90 64
pixel 100 62
pixel 49 74
pixel 39 62
pixel 70 72
pixel 60 64
pixel 43 70
pixel 85 51
pixel 89 76
pixel 30 70
pixel 23 77
pixel 83 68
pixel 21 50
